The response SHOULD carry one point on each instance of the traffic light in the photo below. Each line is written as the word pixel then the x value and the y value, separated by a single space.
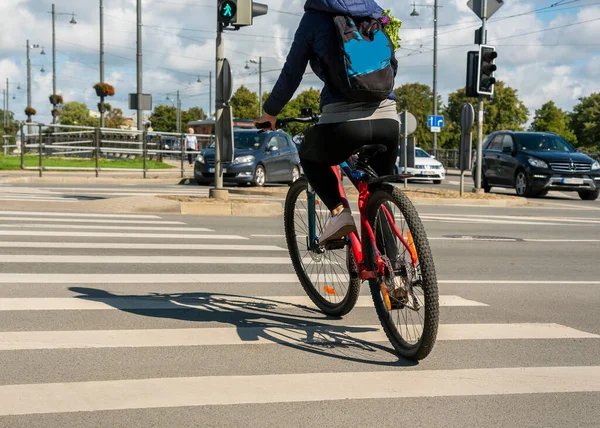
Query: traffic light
pixel 472 60
pixel 227 10
pixel 486 69
pixel 247 10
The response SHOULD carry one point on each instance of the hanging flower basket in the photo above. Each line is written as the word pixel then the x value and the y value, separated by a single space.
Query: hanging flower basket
pixel 9 129
pixel 55 99
pixel 30 111
pixel 55 112
pixel 104 90
pixel 104 107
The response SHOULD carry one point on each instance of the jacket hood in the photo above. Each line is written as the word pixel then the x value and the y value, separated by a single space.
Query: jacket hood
pixel 346 7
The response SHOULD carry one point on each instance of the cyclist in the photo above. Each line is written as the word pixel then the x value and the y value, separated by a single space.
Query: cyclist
pixel 345 125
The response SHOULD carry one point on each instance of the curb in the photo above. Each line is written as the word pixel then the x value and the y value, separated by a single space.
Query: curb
pixel 91 180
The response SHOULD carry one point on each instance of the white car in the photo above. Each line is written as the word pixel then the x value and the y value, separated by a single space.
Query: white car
pixel 426 168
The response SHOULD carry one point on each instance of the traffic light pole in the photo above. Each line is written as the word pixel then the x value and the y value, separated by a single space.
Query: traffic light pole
pixel 478 170
pixel 218 192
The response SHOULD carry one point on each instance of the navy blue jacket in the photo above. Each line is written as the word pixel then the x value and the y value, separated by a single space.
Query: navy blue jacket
pixel 313 42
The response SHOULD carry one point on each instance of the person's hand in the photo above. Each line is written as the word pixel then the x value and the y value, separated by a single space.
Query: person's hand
pixel 267 118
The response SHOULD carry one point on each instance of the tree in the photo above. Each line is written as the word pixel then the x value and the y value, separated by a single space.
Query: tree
pixel 114 118
pixel 550 118
pixel 503 111
pixel 417 99
pixel 75 113
pixel 193 114
pixel 164 119
pixel 585 122
pixel 245 104
pixel 308 98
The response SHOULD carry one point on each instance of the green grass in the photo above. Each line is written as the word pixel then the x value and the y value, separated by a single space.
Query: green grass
pixel 14 162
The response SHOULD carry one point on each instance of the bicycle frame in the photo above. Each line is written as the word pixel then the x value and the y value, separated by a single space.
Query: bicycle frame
pixel 359 181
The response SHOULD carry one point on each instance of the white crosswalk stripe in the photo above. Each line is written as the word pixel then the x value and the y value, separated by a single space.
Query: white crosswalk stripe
pixel 47 312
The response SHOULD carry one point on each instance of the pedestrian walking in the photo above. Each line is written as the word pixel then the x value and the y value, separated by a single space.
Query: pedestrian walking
pixel 191 144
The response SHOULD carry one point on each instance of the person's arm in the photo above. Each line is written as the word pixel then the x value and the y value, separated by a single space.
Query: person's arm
pixel 293 70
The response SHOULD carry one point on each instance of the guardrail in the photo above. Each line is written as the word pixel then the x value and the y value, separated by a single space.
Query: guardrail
pixel 78 142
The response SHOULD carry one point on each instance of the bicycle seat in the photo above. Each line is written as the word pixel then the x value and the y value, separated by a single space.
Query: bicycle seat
pixel 369 151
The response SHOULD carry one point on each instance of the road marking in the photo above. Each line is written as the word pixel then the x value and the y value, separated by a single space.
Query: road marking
pixel 162 303
pixel 127 246
pixel 79 220
pixel 208 278
pixel 284 334
pixel 517 218
pixel 60 214
pixel 289 388
pixel 267 236
pixel 37 233
pixel 99 226
pixel 187 260
pixel 470 241
pixel 431 218
pixel 37 200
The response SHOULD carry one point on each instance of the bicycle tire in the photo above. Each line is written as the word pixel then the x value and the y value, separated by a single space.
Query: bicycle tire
pixel 428 282
pixel 347 303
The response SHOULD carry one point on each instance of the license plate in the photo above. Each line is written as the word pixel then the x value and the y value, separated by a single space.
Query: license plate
pixel 212 170
pixel 577 181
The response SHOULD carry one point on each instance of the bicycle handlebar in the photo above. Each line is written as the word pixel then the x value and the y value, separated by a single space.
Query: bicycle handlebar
pixel 280 122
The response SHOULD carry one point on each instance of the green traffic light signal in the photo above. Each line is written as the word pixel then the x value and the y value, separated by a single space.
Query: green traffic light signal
pixel 227 11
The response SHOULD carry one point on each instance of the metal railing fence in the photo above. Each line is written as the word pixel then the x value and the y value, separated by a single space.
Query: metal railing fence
pixel 93 144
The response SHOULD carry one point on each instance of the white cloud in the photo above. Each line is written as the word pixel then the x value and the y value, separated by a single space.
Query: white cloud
pixel 174 58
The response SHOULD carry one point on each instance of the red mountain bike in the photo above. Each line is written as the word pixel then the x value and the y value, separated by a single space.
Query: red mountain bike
pixel 392 253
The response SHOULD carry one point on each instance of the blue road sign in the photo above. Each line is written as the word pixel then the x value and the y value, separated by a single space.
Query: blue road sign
pixel 435 121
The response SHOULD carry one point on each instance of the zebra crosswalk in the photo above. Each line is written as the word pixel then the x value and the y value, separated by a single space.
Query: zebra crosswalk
pixel 139 313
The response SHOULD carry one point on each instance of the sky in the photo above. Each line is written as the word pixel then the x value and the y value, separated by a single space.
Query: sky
pixel 547 49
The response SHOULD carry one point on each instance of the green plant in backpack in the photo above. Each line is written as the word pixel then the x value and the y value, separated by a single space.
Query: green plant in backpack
pixel 392 28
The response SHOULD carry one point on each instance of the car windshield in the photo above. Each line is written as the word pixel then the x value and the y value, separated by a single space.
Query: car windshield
pixel 544 143
pixel 245 140
pixel 421 154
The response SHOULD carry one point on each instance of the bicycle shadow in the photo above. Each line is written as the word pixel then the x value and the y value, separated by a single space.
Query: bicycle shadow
pixel 257 319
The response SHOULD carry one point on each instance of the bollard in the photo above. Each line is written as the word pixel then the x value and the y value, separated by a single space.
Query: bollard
pixel 41 152
pixel 97 136
pixel 145 152
pixel 23 147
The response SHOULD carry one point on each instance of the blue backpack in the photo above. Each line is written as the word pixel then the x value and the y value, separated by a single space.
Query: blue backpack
pixel 366 66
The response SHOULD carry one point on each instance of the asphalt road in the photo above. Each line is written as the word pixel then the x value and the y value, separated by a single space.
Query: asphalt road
pixel 196 328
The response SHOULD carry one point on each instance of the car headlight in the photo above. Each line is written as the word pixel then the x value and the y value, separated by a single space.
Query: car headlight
pixel 537 163
pixel 243 159
pixel 200 159
pixel 596 165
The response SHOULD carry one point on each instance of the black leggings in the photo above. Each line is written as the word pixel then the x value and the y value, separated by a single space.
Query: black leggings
pixel 332 144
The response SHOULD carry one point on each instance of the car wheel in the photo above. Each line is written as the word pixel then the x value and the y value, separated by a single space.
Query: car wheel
pixel 437 181
pixel 295 174
pixel 260 176
pixel 589 196
pixel 522 185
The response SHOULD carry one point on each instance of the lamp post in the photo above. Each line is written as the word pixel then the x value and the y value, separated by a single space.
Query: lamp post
pixel 7 100
pixel 259 62
pixel 102 61
pixel 435 66
pixel 177 111
pixel 29 47
pixel 54 13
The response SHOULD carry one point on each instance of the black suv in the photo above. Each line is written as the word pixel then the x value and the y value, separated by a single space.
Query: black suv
pixel 535 163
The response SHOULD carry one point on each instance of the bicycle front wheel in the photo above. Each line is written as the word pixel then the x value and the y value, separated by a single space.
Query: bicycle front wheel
pixel 406 294
pixel 329 277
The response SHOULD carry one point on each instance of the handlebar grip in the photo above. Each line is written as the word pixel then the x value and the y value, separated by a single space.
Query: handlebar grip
pixel 264 125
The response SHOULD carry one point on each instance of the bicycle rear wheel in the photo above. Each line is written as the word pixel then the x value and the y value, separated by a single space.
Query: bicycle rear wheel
pixel 406 295
pixel 329 277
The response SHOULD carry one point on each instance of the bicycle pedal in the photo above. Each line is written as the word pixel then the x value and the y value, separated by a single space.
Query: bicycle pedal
pixel 338 244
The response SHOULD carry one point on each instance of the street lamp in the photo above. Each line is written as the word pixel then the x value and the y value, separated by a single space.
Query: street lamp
pixel 29 47
pixel 73 21
pixel 177 110
pixel 435 37
pixel 259 62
